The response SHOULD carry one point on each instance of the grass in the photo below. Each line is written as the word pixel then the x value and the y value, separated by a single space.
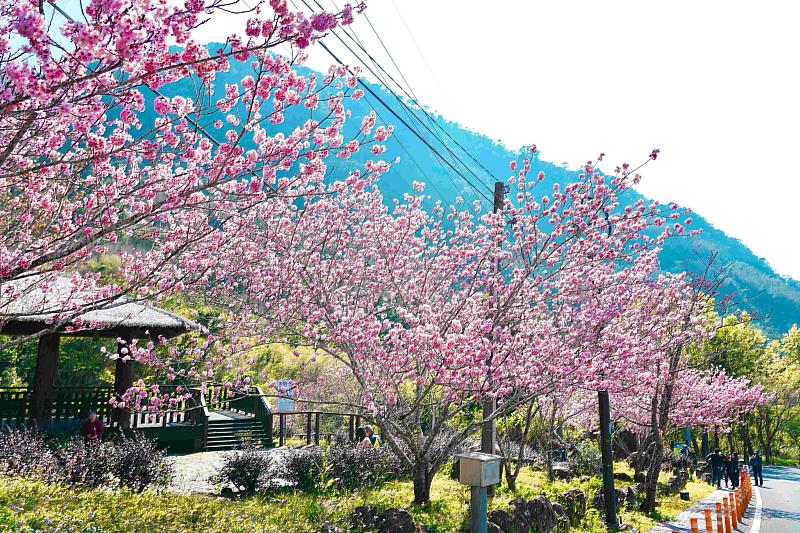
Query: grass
pixel 28 505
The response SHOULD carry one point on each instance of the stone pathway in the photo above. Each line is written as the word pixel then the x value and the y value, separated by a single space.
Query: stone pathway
pixel 681 524
pixel 193 470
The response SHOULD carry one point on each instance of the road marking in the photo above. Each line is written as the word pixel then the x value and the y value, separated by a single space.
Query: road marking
pixel 757 515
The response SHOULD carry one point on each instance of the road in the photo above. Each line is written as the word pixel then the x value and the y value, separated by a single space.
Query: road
pixel 780 499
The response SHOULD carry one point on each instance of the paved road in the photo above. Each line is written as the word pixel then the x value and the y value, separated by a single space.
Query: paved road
pixel 780 497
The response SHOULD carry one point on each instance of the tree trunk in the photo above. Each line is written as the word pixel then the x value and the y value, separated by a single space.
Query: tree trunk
pixel 653 471
pixel 549 443
pixel 511 477
pixel 422 483
pixel 44 379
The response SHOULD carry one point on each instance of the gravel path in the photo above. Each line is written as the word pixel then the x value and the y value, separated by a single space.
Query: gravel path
pixel 193 470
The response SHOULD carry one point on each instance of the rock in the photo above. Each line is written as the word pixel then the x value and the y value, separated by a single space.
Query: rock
pixel 397 521
pixel 622 476
pixel 674 484
pixel 502 520
pixel 543 517
pixel 562 520
pixel 631 498
pixel 599 500
pixel 562 471
pixel 366 518
pixel 574 505
pixel 520 516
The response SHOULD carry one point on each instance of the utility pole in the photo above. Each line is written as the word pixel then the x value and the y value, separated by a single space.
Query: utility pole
pixel 489 427
pixel 608 461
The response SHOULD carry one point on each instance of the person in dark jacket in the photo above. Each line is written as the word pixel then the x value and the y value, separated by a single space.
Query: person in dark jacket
pixel 726 469
pixel 92 429
pixel 756 465
pixel 734 473
pixel 715 460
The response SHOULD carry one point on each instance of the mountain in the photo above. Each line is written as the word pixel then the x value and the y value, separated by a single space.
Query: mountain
pixel 773 299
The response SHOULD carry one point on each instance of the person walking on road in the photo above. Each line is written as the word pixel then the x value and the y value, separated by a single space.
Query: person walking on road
pixel 734 470
pixel 715 460
pixel 726 469
pixel 756 464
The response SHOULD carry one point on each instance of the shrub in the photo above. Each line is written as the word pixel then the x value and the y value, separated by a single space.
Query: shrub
pixel 27 452
pixel 87 464
pixel 249 470
pixel 137 464
pixel 339 466
pixel 585 458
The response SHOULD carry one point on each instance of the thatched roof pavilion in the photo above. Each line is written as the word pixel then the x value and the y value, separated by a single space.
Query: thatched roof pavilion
pixel 38 305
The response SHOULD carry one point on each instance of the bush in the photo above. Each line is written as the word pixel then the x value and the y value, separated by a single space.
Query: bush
pixel 340 466
pixel 87 464
pixel 249 470
pixel 137 464
pixel 585 458
pixel 27 452
pixel 134 462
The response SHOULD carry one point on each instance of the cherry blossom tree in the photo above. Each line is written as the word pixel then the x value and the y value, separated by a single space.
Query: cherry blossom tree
pixel 86 170
pixel 435 309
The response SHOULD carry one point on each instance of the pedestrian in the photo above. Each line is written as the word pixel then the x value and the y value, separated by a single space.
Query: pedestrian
pixel 362 440
pixel 756 465
pixel 715 460
pixel 374 439
pixel 734 474
pixel 92 429
pixel 726 469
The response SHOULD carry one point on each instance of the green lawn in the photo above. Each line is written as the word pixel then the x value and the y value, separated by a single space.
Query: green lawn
pixel 27 505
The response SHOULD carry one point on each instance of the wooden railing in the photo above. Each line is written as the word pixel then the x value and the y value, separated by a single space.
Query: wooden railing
pixel 67 404
pixel 181 413
pixel 313 428
pixel 74 403
pixel 14 404
pixel 203 416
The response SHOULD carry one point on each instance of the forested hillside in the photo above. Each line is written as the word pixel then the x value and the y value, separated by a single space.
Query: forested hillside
pixel 465 161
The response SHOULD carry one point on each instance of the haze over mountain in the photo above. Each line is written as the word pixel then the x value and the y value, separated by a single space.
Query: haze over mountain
pixel 773 299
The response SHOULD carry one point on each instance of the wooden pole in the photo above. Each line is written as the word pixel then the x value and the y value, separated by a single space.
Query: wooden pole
pixel 44 380
pixel 489 427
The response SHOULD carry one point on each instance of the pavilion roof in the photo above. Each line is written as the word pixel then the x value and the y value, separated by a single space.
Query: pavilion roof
pixel 39 300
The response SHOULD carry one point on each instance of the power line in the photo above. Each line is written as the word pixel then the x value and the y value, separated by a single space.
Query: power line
pixel 405 109
pixel 354 38
pixel 404 122
pixel 413 95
